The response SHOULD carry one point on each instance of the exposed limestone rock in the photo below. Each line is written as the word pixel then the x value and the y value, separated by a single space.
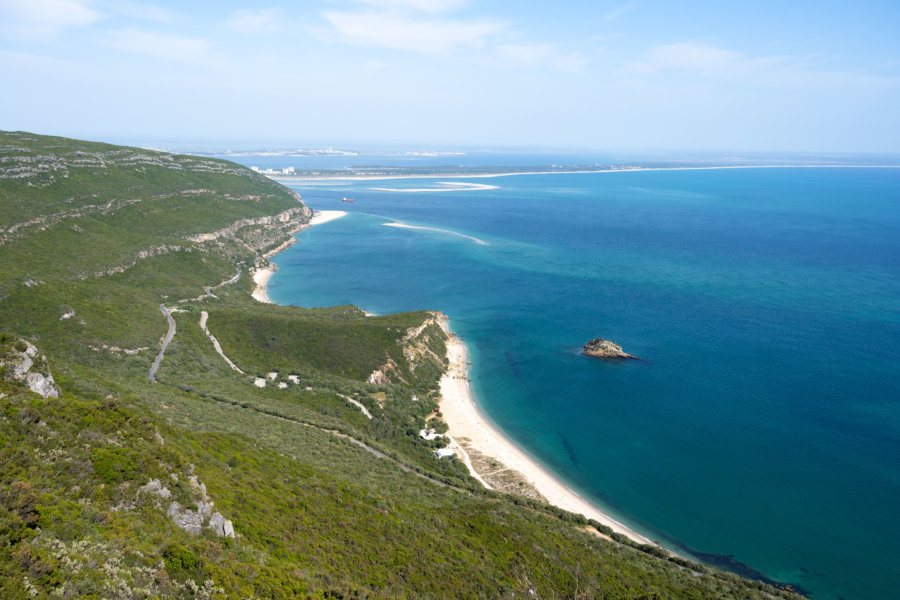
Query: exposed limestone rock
pixel 154 486
pixel 20 362
pixel 292 215
pixel 141 255
pixel 185 518
pixel 414 345
pixel 151 487
pixel 388 373
pixel 217 523
pixel 601 348
pixel 191 521
pixel 221 526
pixel 45 386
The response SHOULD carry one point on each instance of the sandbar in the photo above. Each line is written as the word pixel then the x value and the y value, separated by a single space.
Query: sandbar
pixel 478 241
pixel 625 169
pixel 464 420
pixel 442 186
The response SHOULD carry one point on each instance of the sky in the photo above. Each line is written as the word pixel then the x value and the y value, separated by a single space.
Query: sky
pixel 785 76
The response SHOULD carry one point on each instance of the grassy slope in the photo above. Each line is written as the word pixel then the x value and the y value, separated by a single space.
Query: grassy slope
pixel 316 514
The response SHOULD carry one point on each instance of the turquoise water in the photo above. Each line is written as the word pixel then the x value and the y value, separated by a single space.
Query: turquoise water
pixel 763 421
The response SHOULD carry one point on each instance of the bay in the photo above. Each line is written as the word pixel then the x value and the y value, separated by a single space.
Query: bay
pixel 762 422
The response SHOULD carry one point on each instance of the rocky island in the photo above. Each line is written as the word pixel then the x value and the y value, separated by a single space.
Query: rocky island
pixel 600 348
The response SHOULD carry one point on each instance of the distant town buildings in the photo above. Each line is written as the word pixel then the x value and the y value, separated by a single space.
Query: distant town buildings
pixel 284 171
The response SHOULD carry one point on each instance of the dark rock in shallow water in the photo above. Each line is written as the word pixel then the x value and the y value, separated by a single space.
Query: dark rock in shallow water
pixel 601 348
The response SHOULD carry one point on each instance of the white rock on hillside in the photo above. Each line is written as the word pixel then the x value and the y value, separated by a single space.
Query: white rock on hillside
pixel 23 363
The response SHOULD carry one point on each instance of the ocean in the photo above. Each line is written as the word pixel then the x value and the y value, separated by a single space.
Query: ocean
pixel 760 427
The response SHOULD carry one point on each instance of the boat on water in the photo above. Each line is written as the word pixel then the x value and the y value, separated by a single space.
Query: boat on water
pixel 350 200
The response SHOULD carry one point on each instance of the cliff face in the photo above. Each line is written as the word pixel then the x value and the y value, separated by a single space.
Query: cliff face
pixel 600 348
pixel 417 348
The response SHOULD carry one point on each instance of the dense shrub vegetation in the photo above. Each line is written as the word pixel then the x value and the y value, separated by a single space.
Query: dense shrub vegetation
pixel 326 502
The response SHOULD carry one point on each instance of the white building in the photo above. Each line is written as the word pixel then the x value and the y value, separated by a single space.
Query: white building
pixel 429 434
pixel 259 382
pixel 444 453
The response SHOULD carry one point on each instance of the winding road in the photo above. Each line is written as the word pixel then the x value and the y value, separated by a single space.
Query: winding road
pixel 169 335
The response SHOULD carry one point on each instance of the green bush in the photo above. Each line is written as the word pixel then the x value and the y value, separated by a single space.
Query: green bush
pixel 114 465
pixel 182 564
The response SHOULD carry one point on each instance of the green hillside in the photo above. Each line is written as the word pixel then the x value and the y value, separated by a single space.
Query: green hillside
pixel 287 473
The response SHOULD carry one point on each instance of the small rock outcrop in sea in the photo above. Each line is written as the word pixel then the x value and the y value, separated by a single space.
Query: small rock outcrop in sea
pixel 605 349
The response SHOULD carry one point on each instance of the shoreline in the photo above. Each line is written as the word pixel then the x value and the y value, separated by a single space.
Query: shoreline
pixel 298 178
pixel 261 276
pixel 466 422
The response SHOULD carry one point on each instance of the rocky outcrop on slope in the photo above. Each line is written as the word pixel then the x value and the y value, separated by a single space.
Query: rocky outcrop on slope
pixel 190 520
pixel 266 235
pixel 19 361
pixel 23 163
pixel 415 345
pixel 600 348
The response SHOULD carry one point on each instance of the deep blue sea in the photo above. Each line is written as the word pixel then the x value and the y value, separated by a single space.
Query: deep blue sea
pixel 762 422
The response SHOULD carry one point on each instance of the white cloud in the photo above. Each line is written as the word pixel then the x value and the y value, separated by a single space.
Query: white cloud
pixel 163 46
pixel 686 56
pixel 255 21
pixel 375 65
pixel 537 55
pixel 401 32
pixel 31 20
pixel 416 5
pixel 773 72
pixel 141 10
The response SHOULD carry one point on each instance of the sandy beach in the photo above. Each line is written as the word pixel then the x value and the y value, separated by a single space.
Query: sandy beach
pixel 261 279
pixel 466 423
pixel 261 276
